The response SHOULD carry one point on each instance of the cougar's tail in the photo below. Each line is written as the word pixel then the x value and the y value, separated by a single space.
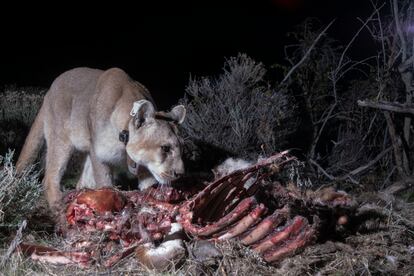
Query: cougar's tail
pixel 33 143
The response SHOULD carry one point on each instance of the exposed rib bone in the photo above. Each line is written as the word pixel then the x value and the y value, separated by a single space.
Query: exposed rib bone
pixel 282 235
pixel 215 210
pixel 241 209
pixel 266 226
pixel 235 196
pixel 229 198
pixel 231 188
pixel 244 224
pixel 202 198
pixel 290 247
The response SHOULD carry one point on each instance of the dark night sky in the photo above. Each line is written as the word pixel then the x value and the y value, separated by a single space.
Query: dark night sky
pixel 163 47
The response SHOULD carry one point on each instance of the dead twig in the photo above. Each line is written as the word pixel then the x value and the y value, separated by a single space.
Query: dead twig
pixel 396 143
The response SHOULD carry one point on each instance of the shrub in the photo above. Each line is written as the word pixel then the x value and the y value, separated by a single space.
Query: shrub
pixel 18 194
pixel 238 111
pixel 21 104
pixel 18 109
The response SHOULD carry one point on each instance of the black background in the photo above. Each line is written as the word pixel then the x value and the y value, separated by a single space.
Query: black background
pixel 163 45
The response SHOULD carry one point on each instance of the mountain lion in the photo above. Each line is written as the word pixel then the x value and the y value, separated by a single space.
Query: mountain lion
pixel 110 117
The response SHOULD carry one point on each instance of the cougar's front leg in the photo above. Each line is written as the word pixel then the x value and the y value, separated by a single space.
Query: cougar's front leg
pixel 87 179
pixel 95 174
pixel 101 172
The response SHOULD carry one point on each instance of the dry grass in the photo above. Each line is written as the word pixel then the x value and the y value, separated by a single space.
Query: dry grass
pixel 381 247
pixel 386 248
pixel 380 253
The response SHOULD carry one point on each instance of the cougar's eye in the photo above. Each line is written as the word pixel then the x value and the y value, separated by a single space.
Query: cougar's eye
pixel 166 148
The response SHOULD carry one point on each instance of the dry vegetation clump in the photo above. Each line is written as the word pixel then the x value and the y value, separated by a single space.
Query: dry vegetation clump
pixel 18 195
pixel 238 111
pixel 18 109
pixel 21 104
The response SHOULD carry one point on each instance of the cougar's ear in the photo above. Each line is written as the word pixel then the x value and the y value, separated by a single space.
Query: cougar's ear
pixel 141 111
pixel 177 114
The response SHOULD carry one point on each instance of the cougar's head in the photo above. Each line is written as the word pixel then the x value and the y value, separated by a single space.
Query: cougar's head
pixel 154 141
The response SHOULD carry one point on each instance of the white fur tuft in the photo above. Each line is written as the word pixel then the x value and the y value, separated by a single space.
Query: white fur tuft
pixel 175 228
pixel 167 248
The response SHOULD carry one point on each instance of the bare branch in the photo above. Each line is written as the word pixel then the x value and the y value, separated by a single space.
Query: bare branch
pixel 368 165
pixel 399 29
pixel 352 41
pixel 305 56
pixel 381 31
pixel 396 143
pixel 400 186
pixel 329 176
pixel 388 106
pixel 354 64
pixel 369 127
pixel 354 172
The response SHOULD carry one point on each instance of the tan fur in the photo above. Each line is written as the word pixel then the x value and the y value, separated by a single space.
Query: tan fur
pixel 85 110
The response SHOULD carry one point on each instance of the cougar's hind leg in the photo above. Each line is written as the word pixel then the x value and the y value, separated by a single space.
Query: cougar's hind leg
pixel 58 154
